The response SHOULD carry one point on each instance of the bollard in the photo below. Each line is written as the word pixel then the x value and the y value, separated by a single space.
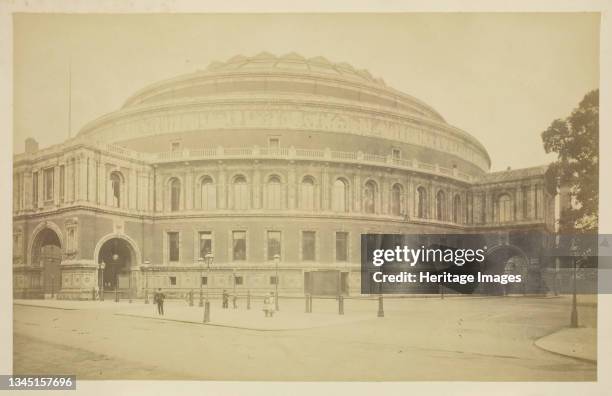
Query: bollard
pixel 306 309
pixel 310 303
pixel 191 298
pixel 201 302
pixel 340 305
pixel 206 311
pixel 146 296
pixel 248 299
pixel 381 311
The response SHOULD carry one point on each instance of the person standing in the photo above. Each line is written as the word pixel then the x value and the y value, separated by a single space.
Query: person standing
pixel 225 299
pixel 158 298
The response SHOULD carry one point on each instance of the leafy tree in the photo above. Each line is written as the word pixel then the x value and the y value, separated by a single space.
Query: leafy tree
pixel 576 141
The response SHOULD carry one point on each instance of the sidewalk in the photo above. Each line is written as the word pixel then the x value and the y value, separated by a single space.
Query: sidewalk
pixel 289 317
pixel 580 343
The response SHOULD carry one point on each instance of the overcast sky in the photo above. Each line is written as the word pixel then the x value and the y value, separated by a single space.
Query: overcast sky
pixel 500 77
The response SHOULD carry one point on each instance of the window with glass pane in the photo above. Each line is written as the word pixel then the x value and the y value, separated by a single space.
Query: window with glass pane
pixel 457 209
pixel 396 200
pixel 273 194
pixel 308 245
pixel 239 245
pixel 421 202
pixel 115 179
pixel 241 193
pixel 173 246
pixel 307 194
pixel 440 205
pixel 48 179
pixel 339 196
pixel 370 197
pixel 209 194
pixel 205 243
pixel 274 244
pixel 274 142
pixel 505 208
pixel 175 195
pixel 341 246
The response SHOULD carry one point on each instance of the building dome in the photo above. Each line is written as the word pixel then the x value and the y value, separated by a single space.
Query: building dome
pixel 313 102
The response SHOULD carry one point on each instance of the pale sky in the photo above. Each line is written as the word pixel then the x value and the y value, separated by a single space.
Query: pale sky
pixel 500 77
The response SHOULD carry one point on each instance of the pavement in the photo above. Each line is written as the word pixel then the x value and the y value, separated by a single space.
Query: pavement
pixel 425 339
pixel 579 343
pixel 240 318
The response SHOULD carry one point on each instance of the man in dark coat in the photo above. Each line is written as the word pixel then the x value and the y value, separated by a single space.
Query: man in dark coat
pixel 225 299
pixel 158 298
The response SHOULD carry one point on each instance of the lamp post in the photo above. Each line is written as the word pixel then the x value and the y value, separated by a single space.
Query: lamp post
pixel 276 260
pixel 101 267
pixel 201 265
pixel 209 260
pixel 574 315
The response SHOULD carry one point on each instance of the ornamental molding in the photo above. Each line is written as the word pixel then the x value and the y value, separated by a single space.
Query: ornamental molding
pixel 289 117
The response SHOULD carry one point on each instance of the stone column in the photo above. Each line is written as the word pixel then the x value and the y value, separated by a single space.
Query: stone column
pixel 222 188
pixel 357 191
pixel 189 189
pixel 56 185
pixel 383 207
pixel 291 188
pixel 257 204
pixel 325 186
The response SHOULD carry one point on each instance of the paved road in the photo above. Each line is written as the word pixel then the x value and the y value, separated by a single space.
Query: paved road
pixel 418 339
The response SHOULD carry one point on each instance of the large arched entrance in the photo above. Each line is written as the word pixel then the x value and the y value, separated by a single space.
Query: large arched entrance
pixel 47 254
pixel 505 259
pixel 117 257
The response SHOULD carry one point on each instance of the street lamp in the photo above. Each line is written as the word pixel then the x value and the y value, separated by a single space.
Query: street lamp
pixel 209 260
pixel 101 267
pixel 276 260
pixel 201 265
pixel 574 315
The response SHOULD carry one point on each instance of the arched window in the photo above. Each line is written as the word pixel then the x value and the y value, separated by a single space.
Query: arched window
pixel 440 205
pixel 273 193
pixel 307 193
pixel 421 203
pixel 175 194
pixel 340 196
pixel 208 194
pixel 116 181
pixel 241 193
pixel 396 200
pixel 457 209
pixel 369 199
pixel 504 204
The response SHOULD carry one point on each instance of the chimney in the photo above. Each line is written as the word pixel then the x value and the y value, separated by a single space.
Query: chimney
pixel 31 145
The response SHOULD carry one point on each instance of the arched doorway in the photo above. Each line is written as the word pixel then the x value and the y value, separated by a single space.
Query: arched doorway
pixel 47 254
pixel 505 259
pixel 117 257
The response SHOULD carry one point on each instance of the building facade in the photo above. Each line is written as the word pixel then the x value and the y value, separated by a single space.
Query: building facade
pixel 256 173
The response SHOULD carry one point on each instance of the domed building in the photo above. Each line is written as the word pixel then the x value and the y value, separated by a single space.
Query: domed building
pixel 256 173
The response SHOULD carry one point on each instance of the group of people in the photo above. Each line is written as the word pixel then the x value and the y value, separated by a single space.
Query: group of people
pixel 269 303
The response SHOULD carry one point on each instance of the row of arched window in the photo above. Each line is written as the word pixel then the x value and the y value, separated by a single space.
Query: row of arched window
pixel 206 197
pixel 307 196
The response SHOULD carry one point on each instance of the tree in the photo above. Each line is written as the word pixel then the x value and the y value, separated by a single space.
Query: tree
pixel 575 139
